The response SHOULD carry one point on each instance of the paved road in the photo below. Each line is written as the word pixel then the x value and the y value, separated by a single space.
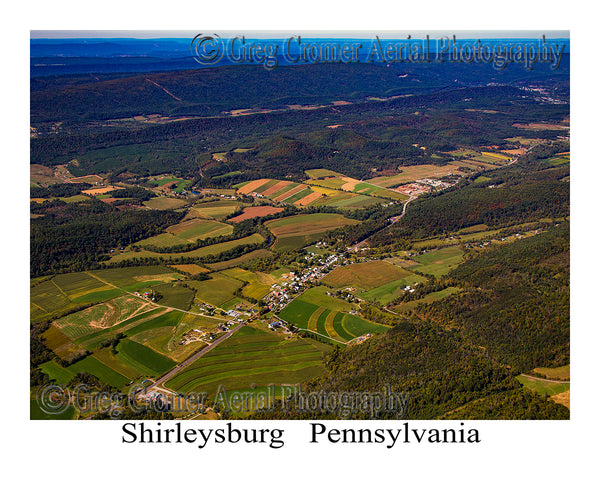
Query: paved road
pixel 354 248
pixel 193 358
pixel 545 380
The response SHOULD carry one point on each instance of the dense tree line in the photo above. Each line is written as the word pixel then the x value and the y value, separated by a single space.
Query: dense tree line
pixel 79 235
pixel 138 193
pixel 58 190
pixel 517 196
pixel 376 135
pixel 437 371
pixel 230 254
pixel 516 301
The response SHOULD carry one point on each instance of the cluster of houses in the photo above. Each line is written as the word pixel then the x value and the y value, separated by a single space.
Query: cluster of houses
pixel 150 295
pixel 423 185
pixel 281 294
pixel 206 307
pixel 238 314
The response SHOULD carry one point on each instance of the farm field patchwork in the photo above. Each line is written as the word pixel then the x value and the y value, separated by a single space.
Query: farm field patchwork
pixel 280 191
pixel 188 231
pixel 199 252
pixel 251 356
pixel 328 316
pixel 253 212
pixel 299 230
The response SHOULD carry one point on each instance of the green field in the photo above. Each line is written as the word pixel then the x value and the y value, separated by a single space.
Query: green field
pixel 321 173
pixel 481 179
pixel 251 357
pixel 35 413
pixel 344 200
pixel 173 295
pixel 133 278
pixel 375 191
pixel 95 367
pixel 57 294
pixel 335 182
pixel 159 182
pixel 557 373
pixel 187 232
pixel 143 359
pixel 390 291
pixel 558 160
pixel 259 284
pixel 429 298
pixel 216 291
pixel 55 372
pixel 543 387
pixel 299 230
pixel 242 259
pixel 216 209
pixel 439 262
pixel 328 316
pixel 199 252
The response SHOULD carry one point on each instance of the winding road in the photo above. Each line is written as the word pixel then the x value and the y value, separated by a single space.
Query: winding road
pixel 354 248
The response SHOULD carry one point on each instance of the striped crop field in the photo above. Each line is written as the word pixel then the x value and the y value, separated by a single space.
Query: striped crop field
pixel 327 316
pixel 250 357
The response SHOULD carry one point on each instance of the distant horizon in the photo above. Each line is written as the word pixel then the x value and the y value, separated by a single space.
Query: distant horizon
pixel 276 34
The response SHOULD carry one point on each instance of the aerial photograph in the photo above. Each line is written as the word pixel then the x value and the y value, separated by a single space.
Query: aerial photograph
pixel 269 225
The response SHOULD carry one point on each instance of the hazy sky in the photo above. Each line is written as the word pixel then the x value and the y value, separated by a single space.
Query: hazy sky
pixel 464 34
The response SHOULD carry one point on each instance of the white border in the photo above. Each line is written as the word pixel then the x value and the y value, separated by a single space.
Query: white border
pixel 93 449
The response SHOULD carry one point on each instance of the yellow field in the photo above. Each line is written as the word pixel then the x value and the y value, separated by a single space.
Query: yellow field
pixel 495 155
pixel 350 184
pixel 323 190
pixel 191 268
pixel 99 191
pixel 563 398
pixel 314 318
